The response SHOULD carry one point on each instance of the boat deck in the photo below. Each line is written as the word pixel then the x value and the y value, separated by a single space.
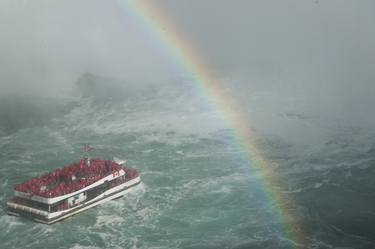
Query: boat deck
pixel 72 178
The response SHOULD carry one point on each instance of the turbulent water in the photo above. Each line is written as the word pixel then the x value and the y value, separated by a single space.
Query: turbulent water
pixel 198 189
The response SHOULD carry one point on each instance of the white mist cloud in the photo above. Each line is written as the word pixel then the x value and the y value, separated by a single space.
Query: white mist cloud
pixel 47 45
pixel 319 52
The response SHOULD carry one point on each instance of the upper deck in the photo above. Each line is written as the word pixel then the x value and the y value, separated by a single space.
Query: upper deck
pixel 72 178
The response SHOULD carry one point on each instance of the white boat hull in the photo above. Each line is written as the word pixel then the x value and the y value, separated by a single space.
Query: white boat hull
pixel 49 218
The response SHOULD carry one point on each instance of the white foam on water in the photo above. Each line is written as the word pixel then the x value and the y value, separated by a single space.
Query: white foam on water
pixel 77 246
pixel 108 220
pixel 222 190
pixel 215 182
pixel 298 190
pixel 10 223
pixel 139 116
pixel 4 183
pixel 318 184
pixel 61 140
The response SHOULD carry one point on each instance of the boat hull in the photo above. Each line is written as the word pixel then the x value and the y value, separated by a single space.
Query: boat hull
pixel 50 218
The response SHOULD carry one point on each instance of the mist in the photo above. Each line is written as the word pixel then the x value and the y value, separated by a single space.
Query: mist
pixel 319 54
pixel 46 46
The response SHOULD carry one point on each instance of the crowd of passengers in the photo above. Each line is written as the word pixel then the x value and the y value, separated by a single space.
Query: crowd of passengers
pixel 64 204
pixel 69 178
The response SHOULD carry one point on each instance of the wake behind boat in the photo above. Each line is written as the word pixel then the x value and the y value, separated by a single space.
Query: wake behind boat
pixel 72 189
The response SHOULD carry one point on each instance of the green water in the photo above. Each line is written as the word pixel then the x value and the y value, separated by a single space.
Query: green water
pixel 197 190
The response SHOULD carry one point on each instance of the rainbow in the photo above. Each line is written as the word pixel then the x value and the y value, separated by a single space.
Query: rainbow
pixel 157 25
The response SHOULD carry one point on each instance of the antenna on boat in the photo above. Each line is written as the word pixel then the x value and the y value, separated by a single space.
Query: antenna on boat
pixel 87 148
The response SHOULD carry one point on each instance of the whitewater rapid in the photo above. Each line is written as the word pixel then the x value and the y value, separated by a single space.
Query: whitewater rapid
pixel 198 189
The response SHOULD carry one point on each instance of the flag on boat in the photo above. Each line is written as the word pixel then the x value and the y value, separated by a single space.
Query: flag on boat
pixel 87 148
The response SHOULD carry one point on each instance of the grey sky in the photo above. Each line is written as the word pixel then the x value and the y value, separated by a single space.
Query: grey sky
pixel 325 49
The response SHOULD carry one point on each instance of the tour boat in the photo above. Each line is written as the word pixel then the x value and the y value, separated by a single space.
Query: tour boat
pixel 72 189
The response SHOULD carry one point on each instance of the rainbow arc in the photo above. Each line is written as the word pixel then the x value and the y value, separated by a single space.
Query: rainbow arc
pixel 157 25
